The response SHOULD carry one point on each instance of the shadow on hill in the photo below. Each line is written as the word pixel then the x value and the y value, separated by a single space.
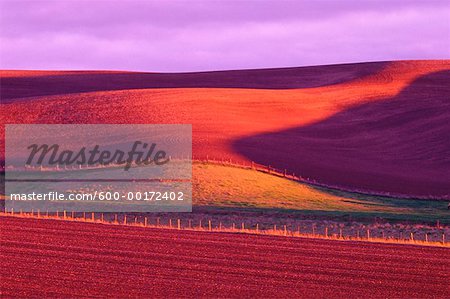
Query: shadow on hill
pixel 399 145
pixel 277 78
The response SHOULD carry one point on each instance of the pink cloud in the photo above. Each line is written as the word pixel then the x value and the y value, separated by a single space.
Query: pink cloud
pixel 204 35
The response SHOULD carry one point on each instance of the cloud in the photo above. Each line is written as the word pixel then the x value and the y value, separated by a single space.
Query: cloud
pixel 203 35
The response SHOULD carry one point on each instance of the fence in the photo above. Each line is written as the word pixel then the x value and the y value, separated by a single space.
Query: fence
pixel 265 169
pixel 209 226
pixel 241 227
pixel 292 176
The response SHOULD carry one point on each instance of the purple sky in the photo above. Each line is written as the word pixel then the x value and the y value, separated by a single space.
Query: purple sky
pixel 213 35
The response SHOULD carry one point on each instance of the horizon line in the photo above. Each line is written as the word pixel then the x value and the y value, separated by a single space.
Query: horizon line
pixel 222 70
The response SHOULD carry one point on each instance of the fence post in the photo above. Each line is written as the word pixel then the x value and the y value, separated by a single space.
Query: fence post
pixel 179 223
pixel 368 234
pixel 412 236
pixel 233 227
pixel 64 214
pixel 39 213
pixel 73 215
pixel 145 221
pixel 285 230
pixel 209 225
pixel 326 231
pixel 102 218
pixel 200 224
pixel 135 220
pixel 443 238
pixel 340 233
pixel 189 223
pixel 426 237
pixel 274 227
pixel 116 221
pixel 92 217
pixel 170 222
pixel 257 228
pixel 243 227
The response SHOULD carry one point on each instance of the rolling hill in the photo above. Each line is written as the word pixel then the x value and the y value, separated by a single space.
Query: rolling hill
pixel 372 127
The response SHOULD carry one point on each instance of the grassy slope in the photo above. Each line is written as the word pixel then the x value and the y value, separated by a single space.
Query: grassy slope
pixel 230 189
pixel 222 186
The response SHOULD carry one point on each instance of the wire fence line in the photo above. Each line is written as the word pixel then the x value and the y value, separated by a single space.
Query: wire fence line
pixel 298 178
pixel 209 226
pixel 366 234
pixel 243 164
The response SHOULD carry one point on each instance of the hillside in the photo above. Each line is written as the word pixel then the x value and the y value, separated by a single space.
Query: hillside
pixel 222 186
pixel 376 127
